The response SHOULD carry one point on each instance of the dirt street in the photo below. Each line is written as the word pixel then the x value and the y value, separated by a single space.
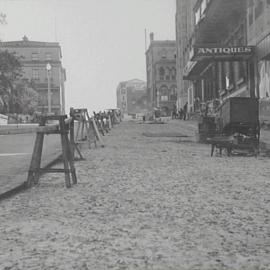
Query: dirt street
pixel 144 202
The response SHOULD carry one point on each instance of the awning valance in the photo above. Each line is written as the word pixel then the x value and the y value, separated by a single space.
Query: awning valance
pixel 193 69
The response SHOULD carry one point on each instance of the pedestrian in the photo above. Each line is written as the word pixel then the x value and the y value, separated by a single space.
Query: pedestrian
pixel 185 111
pixel 143 118
pixel 174 112
pixel 181 114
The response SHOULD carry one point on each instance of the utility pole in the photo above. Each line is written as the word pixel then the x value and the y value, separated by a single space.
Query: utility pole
pixel 49 67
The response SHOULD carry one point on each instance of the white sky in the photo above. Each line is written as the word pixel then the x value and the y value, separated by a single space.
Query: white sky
pixel 102 41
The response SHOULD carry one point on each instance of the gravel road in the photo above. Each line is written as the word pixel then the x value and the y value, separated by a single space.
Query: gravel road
pixel 144 202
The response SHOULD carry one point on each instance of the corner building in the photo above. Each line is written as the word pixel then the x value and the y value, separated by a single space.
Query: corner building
pixel 213 52
pixel 161 75
pixel 35 56
pixel 258 35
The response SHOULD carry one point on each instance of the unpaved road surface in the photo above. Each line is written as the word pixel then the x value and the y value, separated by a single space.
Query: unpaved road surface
pixel 144 203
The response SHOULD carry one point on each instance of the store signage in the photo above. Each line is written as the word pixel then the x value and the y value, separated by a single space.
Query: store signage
pixel 203 52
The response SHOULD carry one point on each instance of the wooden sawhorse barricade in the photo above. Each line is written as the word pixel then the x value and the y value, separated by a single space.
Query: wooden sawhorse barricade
pixel 85 122
pixel 67 150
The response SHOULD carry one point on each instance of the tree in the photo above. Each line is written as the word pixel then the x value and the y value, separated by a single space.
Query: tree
pixel 10 73
pixel 17 95
pixel 25 98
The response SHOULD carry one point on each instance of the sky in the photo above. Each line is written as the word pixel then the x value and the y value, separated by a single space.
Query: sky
pixel 102 41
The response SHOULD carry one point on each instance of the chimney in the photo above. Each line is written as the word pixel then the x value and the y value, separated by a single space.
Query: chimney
pixel 151 37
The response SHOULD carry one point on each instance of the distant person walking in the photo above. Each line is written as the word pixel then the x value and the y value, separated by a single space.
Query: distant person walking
pixel 185 111
pixel 174 112
pixel 143 118
pixel 181 114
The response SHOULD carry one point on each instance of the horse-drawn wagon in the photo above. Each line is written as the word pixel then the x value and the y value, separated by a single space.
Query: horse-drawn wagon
pixel 238 127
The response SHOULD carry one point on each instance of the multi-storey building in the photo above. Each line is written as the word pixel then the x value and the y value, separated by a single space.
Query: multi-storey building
pixel 132 97
pixel 213 51
pixel 161 74
pixel 258 34
pixel 184 31
pixel 34 57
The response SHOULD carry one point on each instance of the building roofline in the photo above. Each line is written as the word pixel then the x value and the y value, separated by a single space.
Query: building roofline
pixel 28 44
pixel 161 43
pixel 133 80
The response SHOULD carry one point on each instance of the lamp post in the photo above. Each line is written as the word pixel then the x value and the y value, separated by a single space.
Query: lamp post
pixel 48 68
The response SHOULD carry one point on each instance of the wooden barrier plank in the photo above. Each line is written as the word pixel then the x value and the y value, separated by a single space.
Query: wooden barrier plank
pixel 24 130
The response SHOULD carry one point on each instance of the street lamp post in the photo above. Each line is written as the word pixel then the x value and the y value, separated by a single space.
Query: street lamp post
pixel 48 68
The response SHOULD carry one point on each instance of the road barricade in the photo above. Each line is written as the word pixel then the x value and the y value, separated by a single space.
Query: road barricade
pixel 62 128
pixel 66 150
pixel 87 128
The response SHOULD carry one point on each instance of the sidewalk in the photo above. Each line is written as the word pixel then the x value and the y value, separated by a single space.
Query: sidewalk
pixel 265 139
pixel 264 136
pixel 144 203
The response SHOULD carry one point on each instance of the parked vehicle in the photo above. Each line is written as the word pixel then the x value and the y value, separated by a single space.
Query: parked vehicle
pixel 237 125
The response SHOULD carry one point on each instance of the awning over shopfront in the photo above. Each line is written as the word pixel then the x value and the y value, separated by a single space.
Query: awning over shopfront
pixel 263 49
pixel 193 69
pixel 222 53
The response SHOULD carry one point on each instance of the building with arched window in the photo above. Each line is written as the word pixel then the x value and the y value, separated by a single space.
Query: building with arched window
pixel 161 74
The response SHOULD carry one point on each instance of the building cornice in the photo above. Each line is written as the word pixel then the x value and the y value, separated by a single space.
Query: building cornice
pixel 41 62
pixel 29 44
pixel 161 43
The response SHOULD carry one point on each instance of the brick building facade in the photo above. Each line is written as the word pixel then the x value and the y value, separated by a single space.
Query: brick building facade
pixel 34 57
pixel 227 70
pixel 161 74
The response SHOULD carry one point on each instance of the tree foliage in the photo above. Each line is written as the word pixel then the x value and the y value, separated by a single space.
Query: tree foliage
pixel 17 95
pixel 25 98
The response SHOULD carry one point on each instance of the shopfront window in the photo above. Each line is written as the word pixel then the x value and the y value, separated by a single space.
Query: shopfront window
pixel 264 79
pixel 242 70
pixel 231 75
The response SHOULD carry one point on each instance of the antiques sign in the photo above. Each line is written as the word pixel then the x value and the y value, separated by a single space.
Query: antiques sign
pixel 225 53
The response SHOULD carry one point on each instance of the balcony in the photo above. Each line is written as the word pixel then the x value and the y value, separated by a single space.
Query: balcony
pixel 215 18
